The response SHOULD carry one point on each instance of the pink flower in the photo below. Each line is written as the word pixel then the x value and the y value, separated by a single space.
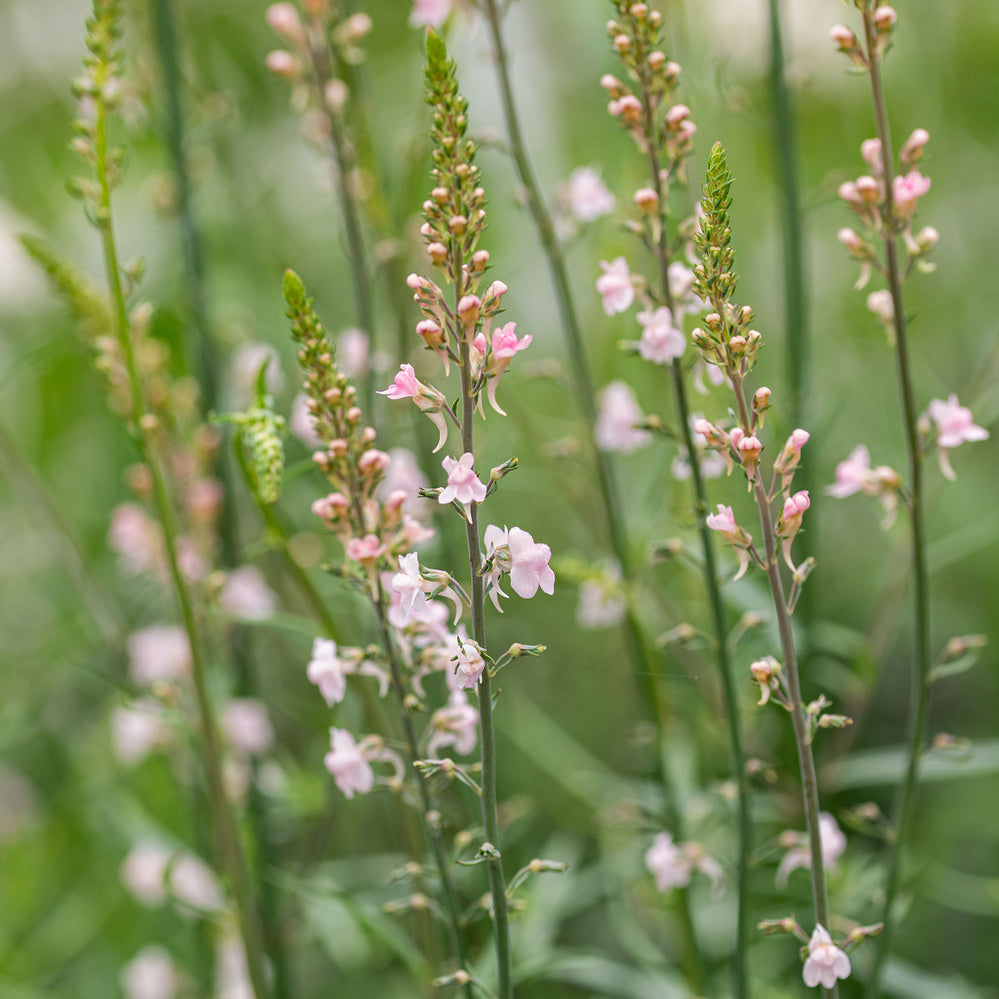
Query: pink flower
pixel 348 765
pixel 505 342
pixel 245 594
pixel 725 524
pixel 411 587
pixel 852 474
pixel 247 727
pixel 723 521
pixel 365 549
pixel 826 962
pixel 955 425
pixel 463 484
pixel 615 428
pixel 137 729
pixel 661 340
pixel 151 974
pixel 432 12
pixel 790 455
pixel 158 653
pixel 586 196
pixel 456 725
pixel 405 385
pixel 469 664
pixel 799 855
pixel 615 286
pixel 907 189
pixel 328 671
pixel 530 568
pixel 667 863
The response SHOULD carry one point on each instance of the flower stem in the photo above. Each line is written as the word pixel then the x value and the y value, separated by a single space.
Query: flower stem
pixel 490 817
pixel 920 688
pixel 225 821
pixel 641 659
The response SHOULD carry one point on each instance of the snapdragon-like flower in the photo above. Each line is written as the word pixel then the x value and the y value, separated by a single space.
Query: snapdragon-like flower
pixel 833 842
pixel 826 963
pixel 348 764
pixel 529 569
pixel 469 664
pixel 615 286
pixel 585 195
pixel 955 425
pixel 661 341
pixel 907 189
pixel 615 428
pixel 504 346
pixel 428 400
pixel 789 522
pixel 725 524
pixel 455 725
pixel 430 12
pixel 328 671
pixel 463 485
pixel 672 864
pixel 161 652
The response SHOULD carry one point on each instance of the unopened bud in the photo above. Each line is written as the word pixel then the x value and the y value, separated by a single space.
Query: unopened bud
pixel 283 64
pixel 646 199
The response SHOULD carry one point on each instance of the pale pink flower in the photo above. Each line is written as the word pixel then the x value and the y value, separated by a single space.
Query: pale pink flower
pixel 723 521
pixel 430 12
pixel 143 872
pixel 232 976
pixel 193 883
pixel 348 765
pixel 586 196
pixel 615 286
pixel 161 652
pixel 151 974
pixel 882 305
pixel 530 568
pixel 136 538
pixel 955 425
pixel 852 474
pixel 601 600
pixel 284 20
pixel 681 289
pixel 615 428
pixel 405 385
pixel 410 586
pixel 246 726
pixel 661 341
pixel 505 343
pixel 870 149
pixel 826 963
pixel 833 842
pixel 352 353
pixel 328 671
pixel 463 485
pixel 137 729
pixel 366 549
pixel 469 664
pixel 302 423
pixel 245 594
pixel 790 455
pixel 455 725
pixel 907 189
pixel 667 863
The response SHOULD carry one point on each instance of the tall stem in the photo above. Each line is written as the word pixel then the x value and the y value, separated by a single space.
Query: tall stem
pixel 490 818
pixel 920 689
pixel 225 821
pixel 641 659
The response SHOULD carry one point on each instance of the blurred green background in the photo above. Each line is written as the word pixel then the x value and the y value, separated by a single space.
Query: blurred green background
pixel 569 750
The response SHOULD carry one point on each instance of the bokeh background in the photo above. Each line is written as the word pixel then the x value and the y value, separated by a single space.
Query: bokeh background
pixel 569 747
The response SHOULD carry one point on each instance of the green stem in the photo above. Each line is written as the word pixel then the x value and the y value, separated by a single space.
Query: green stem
pixel 430 828
pixel 354 244
pixel 225 821
pixel 920 690
pixel 490 817
pixel 240 650
pixel 641 659
pixel 806 762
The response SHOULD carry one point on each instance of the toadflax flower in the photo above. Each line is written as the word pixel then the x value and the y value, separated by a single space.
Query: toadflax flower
pixel 955 425
pixel 833 842
pixel 615 428
pixel 430 12
pixel 529 569
pixel 455 725
pixel 463 485
pixel 585 195
pixel 347 763
pixel 725 524
pixel 469 664
pixel 826 963
pixel 672 864
pixel 661 341
pixel 615 286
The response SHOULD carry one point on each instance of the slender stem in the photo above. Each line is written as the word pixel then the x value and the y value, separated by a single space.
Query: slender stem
pixel 490 817
pixel 610 495
pixel 225 820
pixel 806 762
pixel 920 689
pixel 354 245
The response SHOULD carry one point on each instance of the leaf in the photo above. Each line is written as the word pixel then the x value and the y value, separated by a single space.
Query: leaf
pixel 886 766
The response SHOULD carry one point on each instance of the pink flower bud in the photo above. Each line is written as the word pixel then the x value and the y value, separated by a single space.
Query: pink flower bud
pixel 843 37
pixel 282 64
pixel 437 252
pixel 283 20
pixel 646 199
pixel 885 18
pixel 913 147
pixel 851 241
pixel 868 189
pixel 469 308
pixel 335 95
pixel 675 115
pixel 870 150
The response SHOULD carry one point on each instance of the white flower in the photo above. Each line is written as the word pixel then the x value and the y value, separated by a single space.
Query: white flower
pixel 826 962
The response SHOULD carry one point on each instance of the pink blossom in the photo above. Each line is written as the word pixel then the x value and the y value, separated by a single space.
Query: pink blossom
pixel 246 726
pixel 193 883
pixel 463 484
pixel 882 305
pixel 852 474
pixel 455 725
pixel 907 189
pixel 833 843
pixel 283 19
pixel 586 196
pixel 136 537
pixel 469 664
pixel 158 653
pixel 615 286
pixel 430 12
pixel 723 521
pixel 955 425
pixel 410 586
pixel 137 729
pixel 505 342
pixel 790 455
pixel 352 353
pixel 661 340
pixel 151 974
pixel 530 568
pixel 328 671
pixel 405 385
pixel 302 423
pixel 366 549
pixel 246 595
pixel 826 963
pixel 143 872
pixel 615 428
pixel 601 601
pixel 348 765
pixel 727 526
pixel 667 863
pixel 870 149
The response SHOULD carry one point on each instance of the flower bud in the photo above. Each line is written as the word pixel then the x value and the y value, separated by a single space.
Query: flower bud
pixel 646 199
pixel 283 64
pixel 335 95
